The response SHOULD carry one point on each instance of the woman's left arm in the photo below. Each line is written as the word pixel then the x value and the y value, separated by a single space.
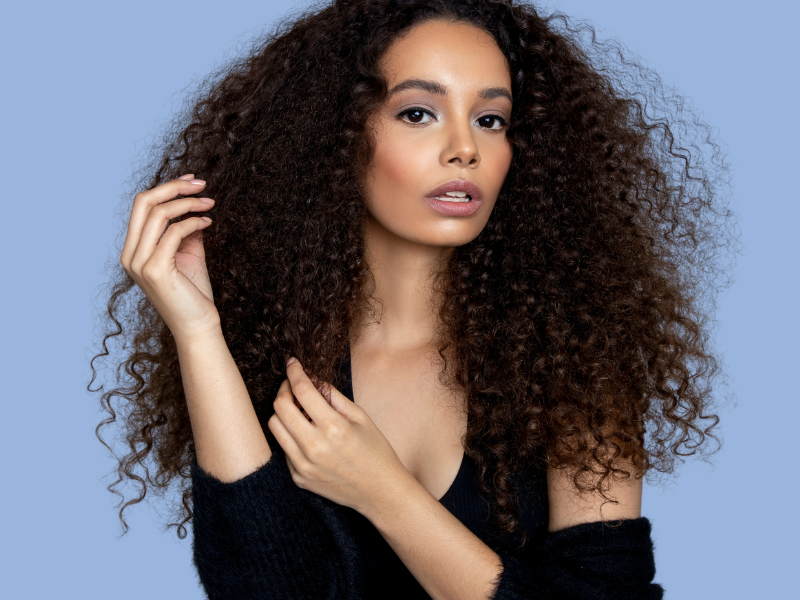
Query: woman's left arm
pixel 336 451
pixel 444 556
pixel 584 550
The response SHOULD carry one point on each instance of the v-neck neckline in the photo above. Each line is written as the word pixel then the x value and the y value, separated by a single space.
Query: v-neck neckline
pixel 347 390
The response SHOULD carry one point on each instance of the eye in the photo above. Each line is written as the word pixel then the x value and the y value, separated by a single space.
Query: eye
pixel 503 123
pixel 415 113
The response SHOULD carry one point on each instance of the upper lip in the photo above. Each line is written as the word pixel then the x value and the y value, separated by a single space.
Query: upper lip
pixel 457 185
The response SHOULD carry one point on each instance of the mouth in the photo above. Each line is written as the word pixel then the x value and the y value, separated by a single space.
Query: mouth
pixel 456 190
pixel 456 198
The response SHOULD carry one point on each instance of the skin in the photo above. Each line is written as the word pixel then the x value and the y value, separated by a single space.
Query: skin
pixel 396 450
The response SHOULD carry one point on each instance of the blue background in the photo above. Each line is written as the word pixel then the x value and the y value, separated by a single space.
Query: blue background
pixel 84 86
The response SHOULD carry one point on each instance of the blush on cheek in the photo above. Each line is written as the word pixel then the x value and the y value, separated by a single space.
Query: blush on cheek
pixel 396 175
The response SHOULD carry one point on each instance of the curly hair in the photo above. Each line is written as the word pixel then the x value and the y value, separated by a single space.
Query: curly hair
pixel 579 322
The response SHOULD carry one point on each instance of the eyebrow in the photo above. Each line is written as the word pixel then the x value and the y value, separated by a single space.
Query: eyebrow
pixel 434 87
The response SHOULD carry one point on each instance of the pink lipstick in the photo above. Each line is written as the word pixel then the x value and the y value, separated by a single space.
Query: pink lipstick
pixel 456 198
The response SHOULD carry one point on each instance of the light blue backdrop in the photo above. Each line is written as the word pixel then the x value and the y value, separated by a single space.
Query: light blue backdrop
pixel 85 83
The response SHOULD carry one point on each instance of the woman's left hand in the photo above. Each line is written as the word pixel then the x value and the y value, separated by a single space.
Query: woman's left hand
pixel 340 454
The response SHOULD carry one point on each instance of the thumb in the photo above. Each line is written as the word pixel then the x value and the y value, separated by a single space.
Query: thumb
pixel 193 244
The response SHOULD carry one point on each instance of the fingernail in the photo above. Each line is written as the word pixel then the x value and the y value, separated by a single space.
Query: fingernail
pixel 187 177
pixel 291 360
pixel 197 182
pixel 206 200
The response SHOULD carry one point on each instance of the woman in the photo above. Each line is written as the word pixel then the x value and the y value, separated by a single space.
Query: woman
pixel 451 261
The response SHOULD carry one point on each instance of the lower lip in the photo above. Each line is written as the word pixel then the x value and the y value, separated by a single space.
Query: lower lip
pixel 454 209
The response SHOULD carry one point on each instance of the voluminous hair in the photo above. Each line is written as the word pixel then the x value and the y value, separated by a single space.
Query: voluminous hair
pixel 578 323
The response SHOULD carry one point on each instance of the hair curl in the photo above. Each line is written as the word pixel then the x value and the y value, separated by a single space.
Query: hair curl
pixel 579 322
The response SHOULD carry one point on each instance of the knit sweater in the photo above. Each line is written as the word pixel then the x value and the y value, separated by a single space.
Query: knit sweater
pixel 262 537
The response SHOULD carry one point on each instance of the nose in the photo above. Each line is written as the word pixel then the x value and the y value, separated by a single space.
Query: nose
pixel 460 146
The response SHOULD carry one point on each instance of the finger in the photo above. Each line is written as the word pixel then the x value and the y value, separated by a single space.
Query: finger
pixel 157 221
pixel 286 389
pixel 291 417
pixel 306 392
pixel 169 244
pixel 142 204
pixel 344 406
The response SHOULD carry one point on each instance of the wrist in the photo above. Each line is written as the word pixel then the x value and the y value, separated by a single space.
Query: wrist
pixel 199 337
pixel 395 495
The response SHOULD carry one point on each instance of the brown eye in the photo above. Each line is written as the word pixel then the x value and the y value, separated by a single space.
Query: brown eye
pixel 502 122
pixel 415 115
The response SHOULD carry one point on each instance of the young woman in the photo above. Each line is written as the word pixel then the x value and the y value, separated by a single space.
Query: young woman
pixel 448 312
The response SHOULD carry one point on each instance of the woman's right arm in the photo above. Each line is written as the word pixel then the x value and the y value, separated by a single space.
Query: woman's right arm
pixel 228 438
pixel 168 264
pixel 256 534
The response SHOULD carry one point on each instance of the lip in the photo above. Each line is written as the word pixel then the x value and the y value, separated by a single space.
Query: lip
pixel 455 209
pixel 457 185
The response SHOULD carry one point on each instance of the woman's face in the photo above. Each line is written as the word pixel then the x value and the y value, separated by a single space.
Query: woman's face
pixel 444 121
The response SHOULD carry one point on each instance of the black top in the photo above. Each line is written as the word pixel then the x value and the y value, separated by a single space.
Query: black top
pixel 262 537
pixel 382 566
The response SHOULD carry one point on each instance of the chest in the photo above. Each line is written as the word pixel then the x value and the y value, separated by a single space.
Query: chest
pixel 421 419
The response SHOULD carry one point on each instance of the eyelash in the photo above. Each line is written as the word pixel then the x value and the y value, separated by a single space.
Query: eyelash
pixel 503 122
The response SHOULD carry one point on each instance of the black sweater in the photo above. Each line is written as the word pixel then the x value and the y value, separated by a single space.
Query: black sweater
pixel 262 537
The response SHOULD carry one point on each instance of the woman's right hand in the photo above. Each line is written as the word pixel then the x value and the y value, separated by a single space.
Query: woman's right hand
pixel 171 270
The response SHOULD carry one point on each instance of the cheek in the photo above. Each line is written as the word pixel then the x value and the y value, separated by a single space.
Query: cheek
pixel 397 183
pixel 498 163
pixel 397 166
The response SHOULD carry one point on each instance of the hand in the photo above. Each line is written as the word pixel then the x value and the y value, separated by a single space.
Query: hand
pixel 171 270
pixel 339 453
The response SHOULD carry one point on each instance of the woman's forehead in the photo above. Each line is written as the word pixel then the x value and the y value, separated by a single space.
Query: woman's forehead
pixel 456 55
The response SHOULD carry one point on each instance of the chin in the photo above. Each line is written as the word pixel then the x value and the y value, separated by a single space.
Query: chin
pixel 448 239
pixel 421 230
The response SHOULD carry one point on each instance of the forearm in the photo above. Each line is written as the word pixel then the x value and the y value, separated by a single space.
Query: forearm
pixel 447 559
pixel 228 438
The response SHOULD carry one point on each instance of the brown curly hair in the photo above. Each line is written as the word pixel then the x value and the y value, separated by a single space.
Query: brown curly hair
pixel 579 322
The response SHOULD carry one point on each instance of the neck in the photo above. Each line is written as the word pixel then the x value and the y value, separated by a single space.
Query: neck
pixel 406 310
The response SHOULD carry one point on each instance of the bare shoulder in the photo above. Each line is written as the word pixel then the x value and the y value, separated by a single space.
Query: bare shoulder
pixel 569 506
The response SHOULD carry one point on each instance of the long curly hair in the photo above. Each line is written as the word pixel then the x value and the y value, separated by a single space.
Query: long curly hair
pixel 579 323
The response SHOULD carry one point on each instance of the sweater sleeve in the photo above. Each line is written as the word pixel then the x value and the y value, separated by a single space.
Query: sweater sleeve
pixel 591 561
pixel 263 537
